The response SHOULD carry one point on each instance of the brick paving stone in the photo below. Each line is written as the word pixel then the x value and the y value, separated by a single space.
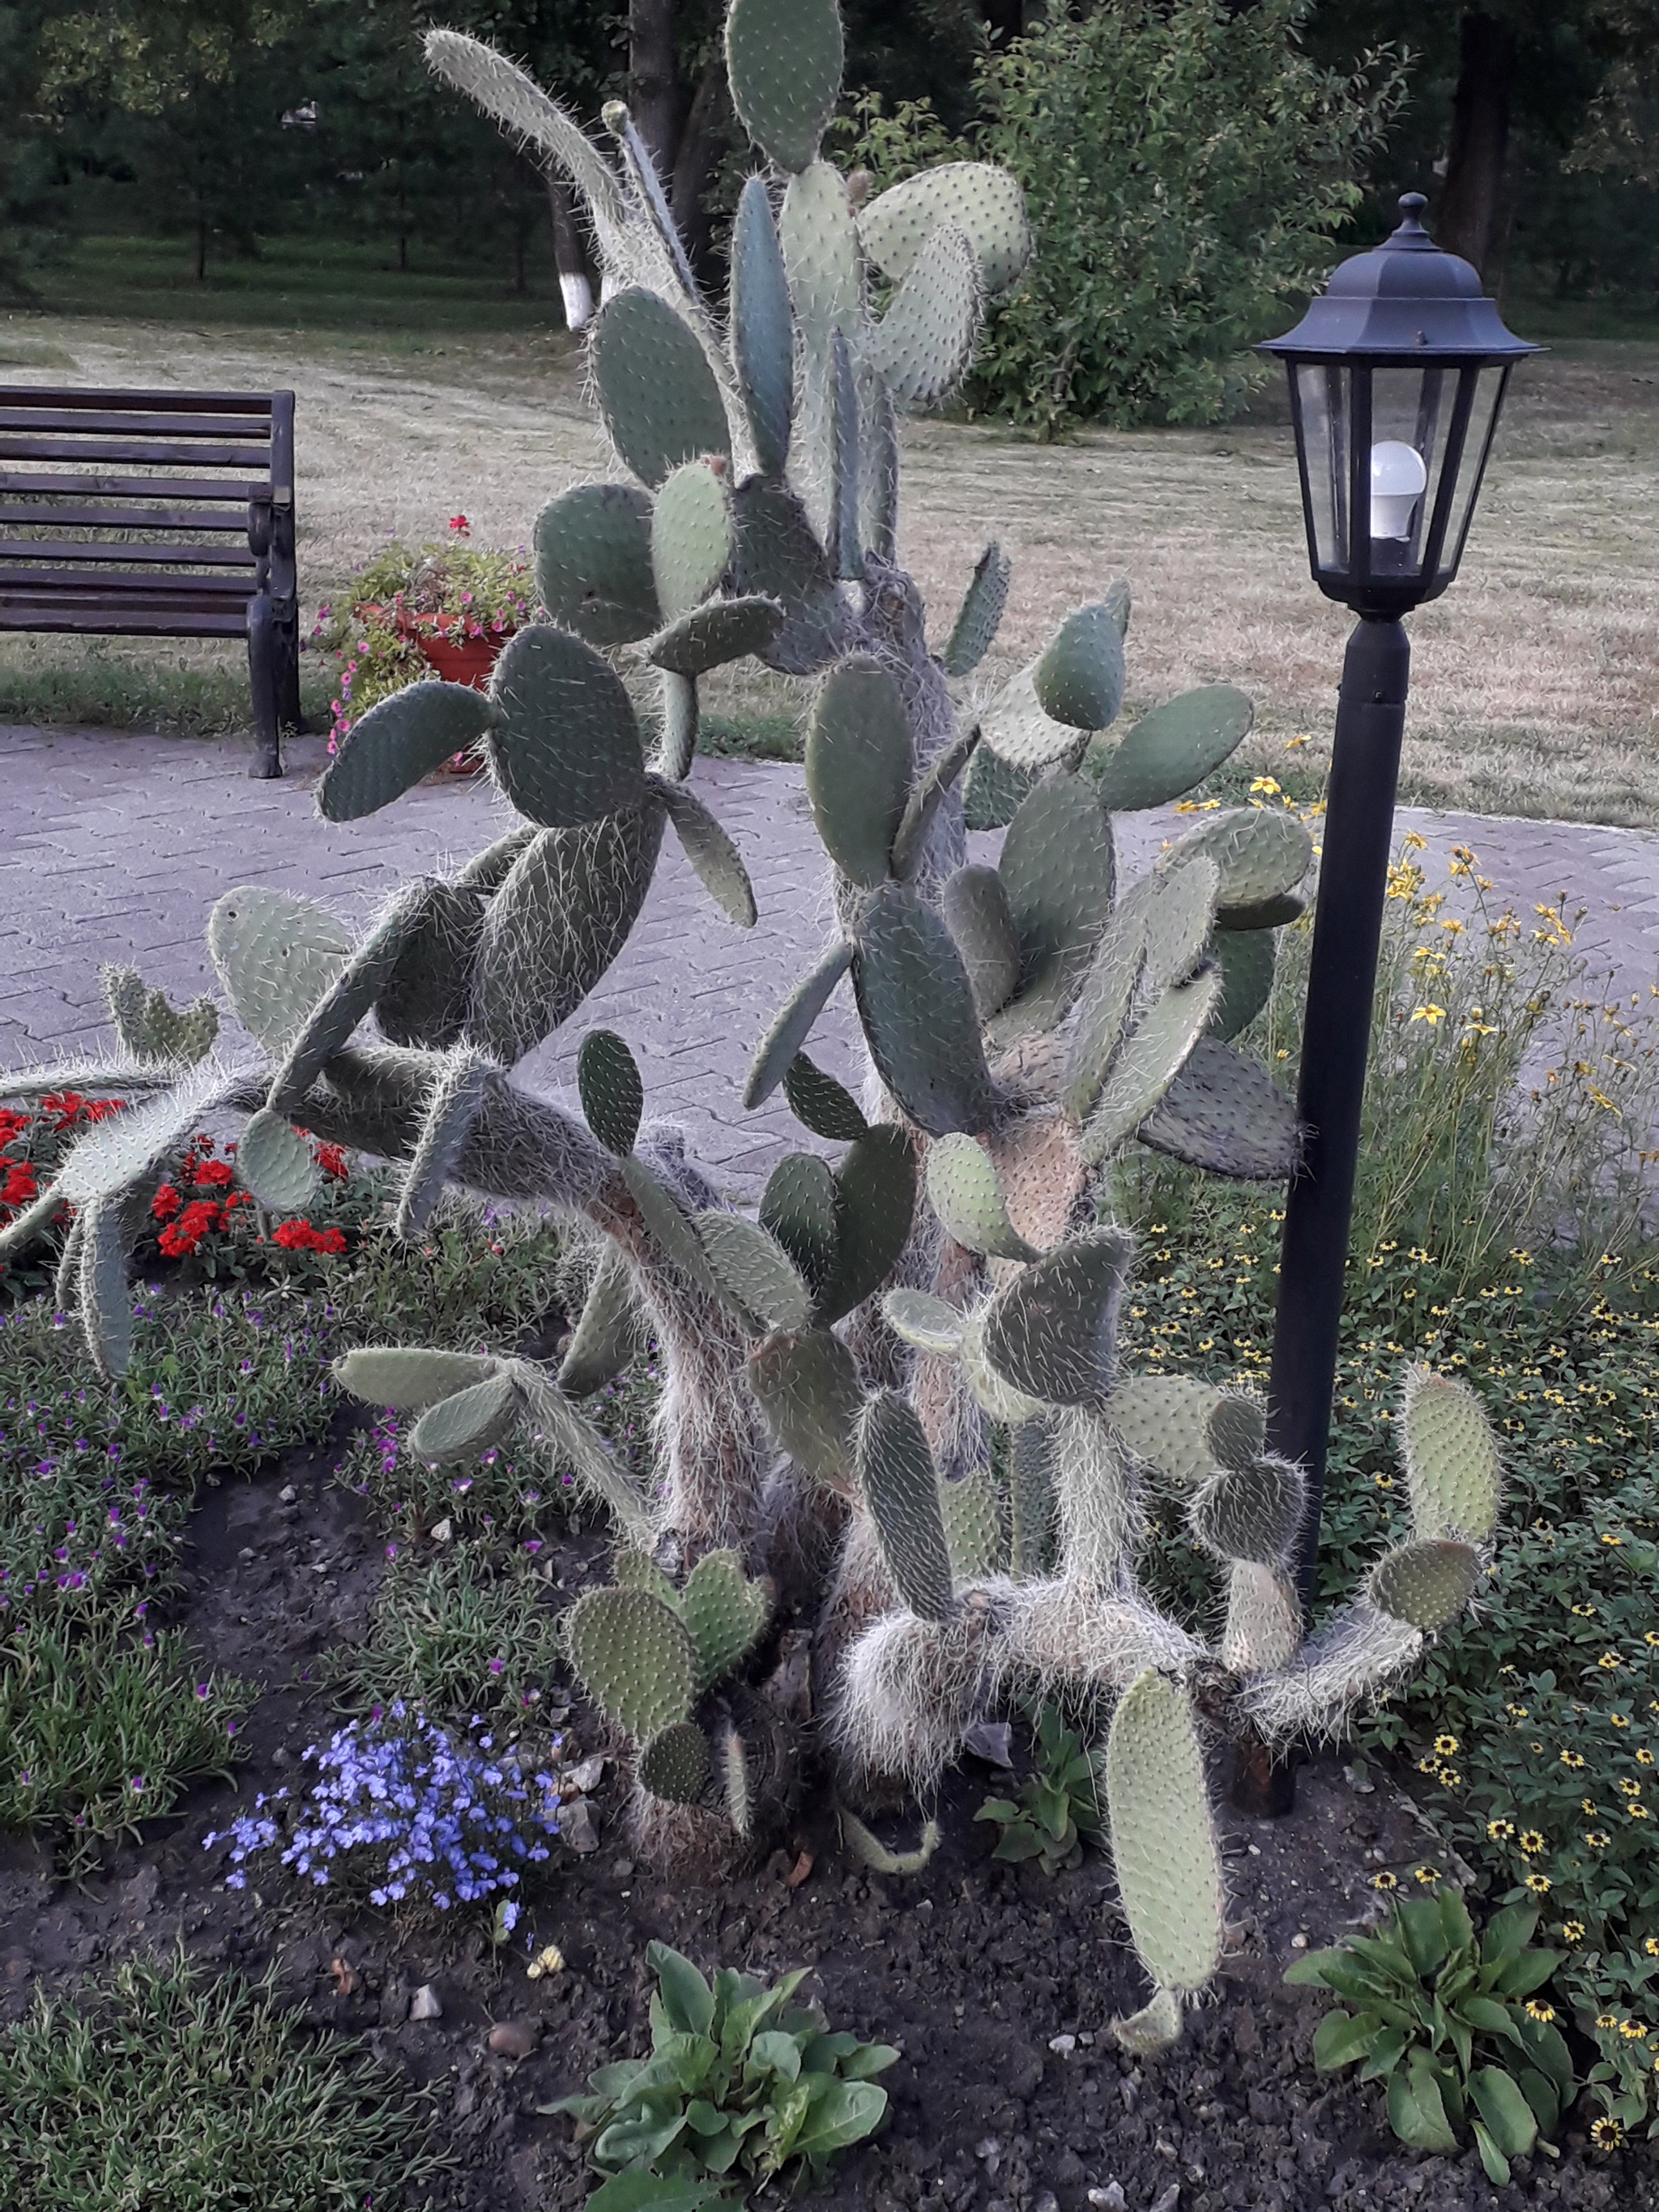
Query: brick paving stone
pixel 115 847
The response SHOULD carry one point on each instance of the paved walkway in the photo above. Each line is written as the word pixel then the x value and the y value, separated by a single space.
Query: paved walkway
pixel 113 848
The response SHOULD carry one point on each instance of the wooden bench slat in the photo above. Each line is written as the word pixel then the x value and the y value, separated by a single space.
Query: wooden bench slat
pixel 173 555
pixel 127 449
pixel 89 421
pixel 118 518
pixel 137 403
pixel 17 583
pixel 122 619
pixel 13 480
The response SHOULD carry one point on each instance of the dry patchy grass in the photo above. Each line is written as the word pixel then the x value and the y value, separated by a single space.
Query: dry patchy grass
pixel 1536 681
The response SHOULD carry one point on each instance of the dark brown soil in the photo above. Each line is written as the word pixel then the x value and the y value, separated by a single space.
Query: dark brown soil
pixel 997 1982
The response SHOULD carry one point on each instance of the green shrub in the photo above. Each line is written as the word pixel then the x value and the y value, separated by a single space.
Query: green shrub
pixel 1059 1803
pixel 1185 167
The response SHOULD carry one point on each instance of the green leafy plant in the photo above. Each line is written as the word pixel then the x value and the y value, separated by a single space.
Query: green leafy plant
pixel 740 2084
pixel 1058 1808
pixel 1451 2022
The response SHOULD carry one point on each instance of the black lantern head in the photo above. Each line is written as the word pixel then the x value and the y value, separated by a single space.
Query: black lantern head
pixel 1397 375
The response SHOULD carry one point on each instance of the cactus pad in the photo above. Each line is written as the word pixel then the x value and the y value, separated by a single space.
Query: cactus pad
pixel 1164 1421
pixel 992 791
pixel 634 1570
pixel 895 1471
pixel 667 1221
pixel 1031 1497
pixel 783 58
pixel 754 1270
pixel 1263 1627
pixel 566 743
pixel 1152 1056
pixel 715 860
pixel 463 1426
pixel 1176 911
pixel 917 1009
pixel 424 997
pixel 276 957
pixel 877 1186
pixel 1164 1843
pixel 1021 734
pixel 410 1380
pixel 1246 959
pixel 1078 678
pixel 972 1518
pixel 1262 856
pixel 1451 1458
pixel 1225 1114
pixel 612 1095
pixel 820 243
pixel 763 327
pixel 975 904
pixel 798 1208
pixel 929 1323
pixel 104 1300
pixel 655 388
pixel 1237 1427
pixel 964 1193
pixel 692 537
pixel 726 1612
pixel 711 635
pixel 594 563
pixel 1155 2028
pixel 979 615
pixel 274 1162
pixel 396 744
pixel 635 1658
pixel 778 557
pixel 1426 1585
pixel 1251 1512
pixel 807 1389
pixel 981 200
pixel 923 344
pixel 606 1336
pixel 1052 1331
pixel 858 768
pixel 793 1025
pixel 1171 748
pixel 149 1028
pixel 821 1104
pixel 1104 1007
pixel 1058 870
pixel 675 1765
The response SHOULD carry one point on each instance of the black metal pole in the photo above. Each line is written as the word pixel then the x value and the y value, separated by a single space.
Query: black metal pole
pixel 1336 1030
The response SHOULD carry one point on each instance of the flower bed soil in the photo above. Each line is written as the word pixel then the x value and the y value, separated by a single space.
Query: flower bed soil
pixel 997 1982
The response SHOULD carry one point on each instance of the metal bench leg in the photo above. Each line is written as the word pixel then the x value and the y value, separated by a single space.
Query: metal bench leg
pixel 290 718
pixel 265 679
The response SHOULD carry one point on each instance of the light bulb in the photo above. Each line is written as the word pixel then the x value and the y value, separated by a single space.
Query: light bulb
pixel 1398 479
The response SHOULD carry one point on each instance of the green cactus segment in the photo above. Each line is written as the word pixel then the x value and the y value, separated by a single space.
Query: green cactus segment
pixel 487 871
pixel 1032 1497
pixel 398 742
pixel 276 956
pixel 275 1163
pixel 877 1183
pixel 149 1028
pixel 799 1208
pixel 410 1380
pixel 712 635
pixel 1103 1006
pixel 423 1001
pixel 975 904
pixel 971 1514
pixel 1153 1055
pixel 878 469
pixel 635 1570
pixel 469 1424
pixel 692 537
pixel 608 1084
pixel 1155 2028
pixel 1164 1843
pixel 1426 1585
pixel 1079 678
pixel 457 1096
pixel 1177 910
pixel 808 1391
pixel 104 1302
pixel 1018 731
pixel 1058 870
pixel 979 615
pixel 844 446
pixel 607 1335
pixel 783 60
pixel 1452 1464
pixel 556 924
pixel 1052 1331
pixel 126 1149
pixel 762 327
pixel 669 1224
pixel 1237 1429
pixel 754 1270
pixel 859 763
pixel 964 1193
pixel 1225 1115
pixel 656 390
pixel 1251 1512
pixel 726 1612
pixel 566 743
pixel 992 795
pixel 917 1009
pixel 821 1104
pixel 923 344
pixel 779 557
pixel 925 801
pixel 715 860
pixel 900 1489
pixel 679 724
pixel 1271 914
pixel 333 1021
pixel 981 200
pixel 19 1232
pixel 675 1766
pixel 1263 1627
pixel 66 1286
pixel 793 1025
pixel 1171 750
pixel 736 1786
pixel 594 570
pixel 1245 959
pixel 992 1390
pixel 635 1658
pixel 1262 857
pixel 927 1323
pixel 820 243
pixel 1163 1421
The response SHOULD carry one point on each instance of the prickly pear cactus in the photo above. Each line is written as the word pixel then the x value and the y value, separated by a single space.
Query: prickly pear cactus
pixel 940 1264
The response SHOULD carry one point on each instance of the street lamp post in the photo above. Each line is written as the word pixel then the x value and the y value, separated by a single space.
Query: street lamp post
pixel 1397 375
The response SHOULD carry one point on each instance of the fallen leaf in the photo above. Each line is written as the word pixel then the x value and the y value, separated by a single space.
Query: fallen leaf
pixel 798 1871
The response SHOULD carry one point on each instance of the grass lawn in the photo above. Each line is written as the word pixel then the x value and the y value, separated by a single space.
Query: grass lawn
pixel 1536 685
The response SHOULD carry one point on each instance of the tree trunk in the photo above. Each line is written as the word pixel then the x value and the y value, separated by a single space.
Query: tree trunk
pixel 1466 221
pixel 694 159
pixel 575 286
pixel 652 85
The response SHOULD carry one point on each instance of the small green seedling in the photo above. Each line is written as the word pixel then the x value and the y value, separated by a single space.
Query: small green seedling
pixel 1058 1809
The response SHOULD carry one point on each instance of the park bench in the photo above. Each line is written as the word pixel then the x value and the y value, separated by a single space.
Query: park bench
pixel 157 515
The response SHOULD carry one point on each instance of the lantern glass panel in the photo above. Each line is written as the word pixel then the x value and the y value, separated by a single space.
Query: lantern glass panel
pixel 1488 381
pixel 1412 409
pixel 1321 397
